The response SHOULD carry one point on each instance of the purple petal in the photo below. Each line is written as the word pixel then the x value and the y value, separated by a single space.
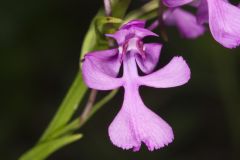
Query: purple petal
pixel 168 18
pixel 136 23
pixel 195 3
pixel 175 73
pixel 135 123
pixel 100 69
pixel 224 22
pixel 185 21
pixel 141 32
pixel 202 12
pixel 119 36
pixel 123 35
pixel 151 57
pixel 175 3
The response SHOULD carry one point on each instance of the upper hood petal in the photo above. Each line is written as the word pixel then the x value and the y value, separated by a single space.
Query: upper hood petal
pixel 129 30
pixel 136 23
pixel 175 3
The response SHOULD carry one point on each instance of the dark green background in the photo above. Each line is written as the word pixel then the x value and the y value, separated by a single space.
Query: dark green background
pixel 40 42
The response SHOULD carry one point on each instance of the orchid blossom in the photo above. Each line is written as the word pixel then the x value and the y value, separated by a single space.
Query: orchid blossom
pixel 134 123
pixel 223 19
pixel 185 21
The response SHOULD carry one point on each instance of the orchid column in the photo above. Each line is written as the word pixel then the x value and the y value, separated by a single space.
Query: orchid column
pixel 134 123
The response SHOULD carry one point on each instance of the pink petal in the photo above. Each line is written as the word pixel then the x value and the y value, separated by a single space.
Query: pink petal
pixel 135 124
pixel 195 3
pixel 123 35
pixel 136 23
pixel 141 32
pixel 185 21
pixel 100 69
pixel 175 73
pixel 202 12
pixel 176 3
pixel 119 36
pixel 168 18
pixel 151 57
pixel 224 22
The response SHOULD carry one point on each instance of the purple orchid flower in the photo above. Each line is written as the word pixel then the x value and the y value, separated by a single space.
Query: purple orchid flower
pixel 134 123
pixel 185 21
pixel 223 19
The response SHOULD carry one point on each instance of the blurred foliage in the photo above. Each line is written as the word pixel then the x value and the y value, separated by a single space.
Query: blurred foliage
pixel 40 43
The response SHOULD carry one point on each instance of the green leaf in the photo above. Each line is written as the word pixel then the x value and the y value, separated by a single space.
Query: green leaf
pixel 90 39
pixel 67 108
pixel 78 123
pixel 149 15
pixel 95 38
pixel 102 25
pixel 67 129
pixel 147 11
pixel 43 150
pixel 119 7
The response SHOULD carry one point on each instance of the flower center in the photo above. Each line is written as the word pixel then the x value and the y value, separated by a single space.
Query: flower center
pixel 134 44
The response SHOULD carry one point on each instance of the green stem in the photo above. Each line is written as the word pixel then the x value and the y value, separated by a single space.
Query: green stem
pixel 90 102
pixel 80 121
pixel 102 102
pixel 67 108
